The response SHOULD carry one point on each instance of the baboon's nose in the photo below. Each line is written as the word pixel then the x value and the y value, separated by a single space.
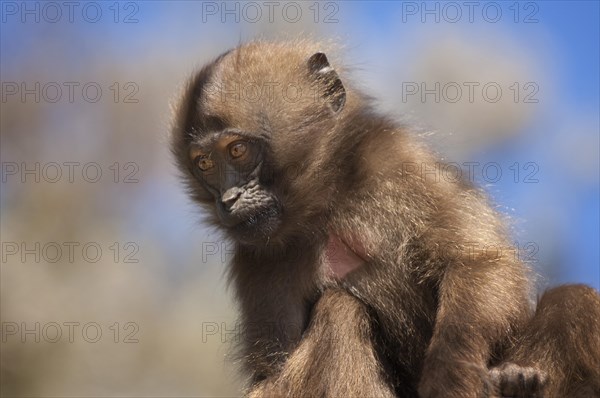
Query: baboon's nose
pixel 230 197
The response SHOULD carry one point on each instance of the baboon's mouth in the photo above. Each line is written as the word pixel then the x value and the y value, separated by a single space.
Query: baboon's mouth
pixel 256 224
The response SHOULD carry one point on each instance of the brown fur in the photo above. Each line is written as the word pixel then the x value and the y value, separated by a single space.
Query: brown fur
pixel 426 312
pixel 356 370
pixel 563 339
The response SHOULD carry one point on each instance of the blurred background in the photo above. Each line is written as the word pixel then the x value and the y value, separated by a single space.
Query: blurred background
pixel 110 283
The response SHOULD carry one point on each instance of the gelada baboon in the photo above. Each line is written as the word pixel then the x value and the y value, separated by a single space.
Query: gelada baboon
pixel 373 277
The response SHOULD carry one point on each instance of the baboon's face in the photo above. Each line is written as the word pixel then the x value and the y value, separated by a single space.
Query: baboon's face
pixel 231 166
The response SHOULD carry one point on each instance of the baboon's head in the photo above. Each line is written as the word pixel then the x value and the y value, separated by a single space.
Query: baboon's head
pixel 252 133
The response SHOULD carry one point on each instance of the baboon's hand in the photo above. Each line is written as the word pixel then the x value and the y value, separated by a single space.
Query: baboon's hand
pixel 512 380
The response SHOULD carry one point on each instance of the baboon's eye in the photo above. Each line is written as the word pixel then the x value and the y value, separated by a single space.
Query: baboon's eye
pixel 205 164
pixel 237 149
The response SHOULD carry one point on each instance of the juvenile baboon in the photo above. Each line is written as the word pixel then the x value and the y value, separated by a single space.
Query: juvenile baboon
pixel 374 278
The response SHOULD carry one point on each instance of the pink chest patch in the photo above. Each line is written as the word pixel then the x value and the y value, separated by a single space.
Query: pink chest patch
pixel 343 256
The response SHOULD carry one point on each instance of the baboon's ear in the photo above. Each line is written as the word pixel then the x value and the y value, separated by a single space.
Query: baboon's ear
pixel 332 86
